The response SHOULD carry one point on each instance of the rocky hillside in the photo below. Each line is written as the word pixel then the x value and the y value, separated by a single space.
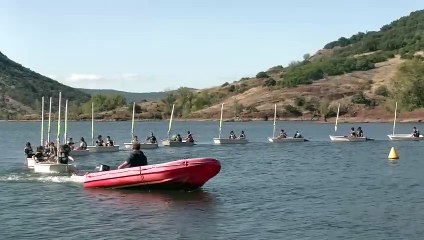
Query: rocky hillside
pixel 21 89
pixel 356 72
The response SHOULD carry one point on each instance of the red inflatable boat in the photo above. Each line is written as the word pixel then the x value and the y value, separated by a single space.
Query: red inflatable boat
pixel 187 174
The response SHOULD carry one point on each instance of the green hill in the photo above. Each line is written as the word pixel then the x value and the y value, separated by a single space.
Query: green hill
pixel 129 96
pixel 21 89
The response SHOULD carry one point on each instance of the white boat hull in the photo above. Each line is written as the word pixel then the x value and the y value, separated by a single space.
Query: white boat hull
pixel 128 146
pixel 229 141
pixel 283 140
pixel 177 144
pixel 405 137
pixel 30 162
pixel 79 152
pixel 98 149
pixel 42 167
pixel 348 139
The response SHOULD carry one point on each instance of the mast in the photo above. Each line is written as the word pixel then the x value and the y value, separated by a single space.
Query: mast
pixel 337 118
pixel 92 123
pixel 50 118
pixel 58 120
pixel 42 122
pixel 275 117
pixel 132 122
pixel 394 120
pixel 220 121
pixel 170 120
pixel 65 134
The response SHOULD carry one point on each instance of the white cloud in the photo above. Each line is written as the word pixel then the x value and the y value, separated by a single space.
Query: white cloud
pixel 78 77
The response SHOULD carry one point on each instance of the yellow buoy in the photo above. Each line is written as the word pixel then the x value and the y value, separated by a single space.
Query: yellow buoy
pixel 393 154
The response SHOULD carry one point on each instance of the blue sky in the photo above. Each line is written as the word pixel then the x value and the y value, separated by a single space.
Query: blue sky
pixel 142 46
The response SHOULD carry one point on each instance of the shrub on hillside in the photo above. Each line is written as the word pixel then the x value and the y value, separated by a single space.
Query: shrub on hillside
pixel 382 91
pixel 269 82
pixel 293 110
pixel 262 75
pixel 361 98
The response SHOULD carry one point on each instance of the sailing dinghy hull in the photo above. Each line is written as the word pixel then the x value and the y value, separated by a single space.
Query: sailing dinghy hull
pixel 168 143
pixel 128 146
pixel 98 149
pixel 348 139
pixel 285 140
pixel 229 141
pixel 42 167
pixel 405 137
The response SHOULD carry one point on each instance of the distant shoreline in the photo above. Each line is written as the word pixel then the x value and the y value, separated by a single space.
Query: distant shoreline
pixel 329 121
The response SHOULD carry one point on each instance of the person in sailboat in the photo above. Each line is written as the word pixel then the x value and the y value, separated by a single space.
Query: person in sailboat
pixel 179 138
pixel 135 140
pixel 63 154
pixel 28 150
pixel 283 134
pixel 136 159
pixel 232 135
pixel 152 138
pixel 352 132
pixel 39 154
pixel 359 132
pixel 99 141
pixel 109 142
pixel 297 135
pixel 70 143
pixel 83 144
pixel 415 132
pixel 51 150
pixel 189 137
pixel 242 135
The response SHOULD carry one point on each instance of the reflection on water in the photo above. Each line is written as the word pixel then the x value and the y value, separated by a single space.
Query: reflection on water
pixel 159 198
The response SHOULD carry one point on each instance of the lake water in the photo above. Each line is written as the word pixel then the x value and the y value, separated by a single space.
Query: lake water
pixel 310 190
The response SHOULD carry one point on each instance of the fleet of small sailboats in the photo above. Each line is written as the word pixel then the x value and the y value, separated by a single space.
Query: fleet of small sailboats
pixel 220 140
pixel 53 165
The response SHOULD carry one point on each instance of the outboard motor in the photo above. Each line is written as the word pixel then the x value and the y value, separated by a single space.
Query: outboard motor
pixel 103 168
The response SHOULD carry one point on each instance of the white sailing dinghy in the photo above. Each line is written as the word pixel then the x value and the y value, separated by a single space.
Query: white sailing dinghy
pixel 144 145
pixel 171 143
pixel 338 138
pixel 220 140
pixel 281 140
pixel 54 167
pixel 402 136
pixel 95 148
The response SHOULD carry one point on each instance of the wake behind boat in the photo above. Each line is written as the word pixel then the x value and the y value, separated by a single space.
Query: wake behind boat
pixel 187 174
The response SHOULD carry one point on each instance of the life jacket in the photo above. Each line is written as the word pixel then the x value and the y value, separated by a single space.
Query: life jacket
pixel 63 158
